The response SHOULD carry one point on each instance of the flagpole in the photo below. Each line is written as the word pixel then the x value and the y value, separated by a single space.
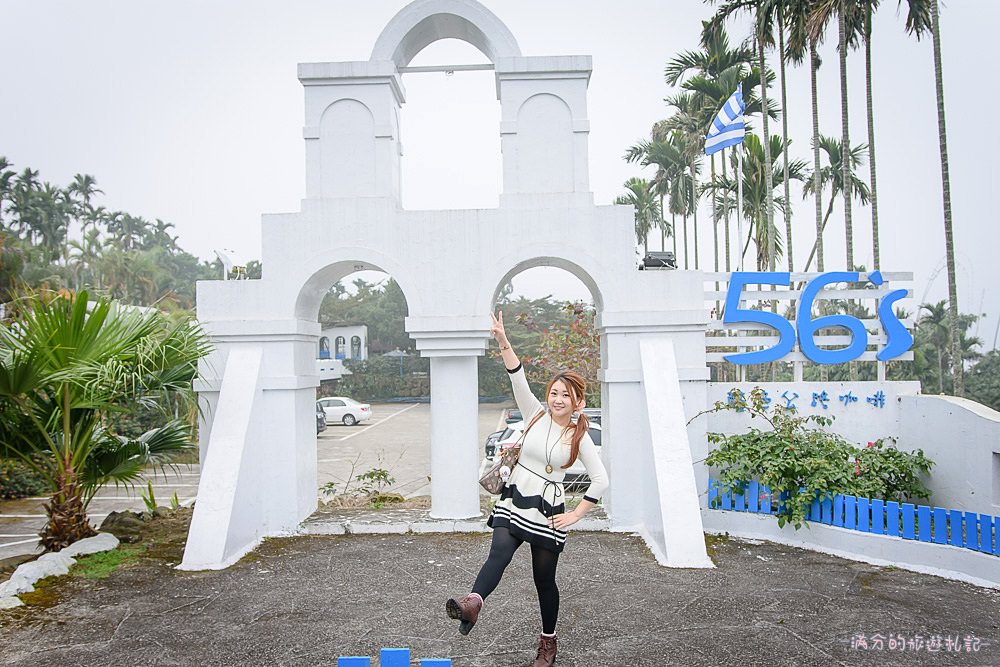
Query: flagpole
pixel 739 208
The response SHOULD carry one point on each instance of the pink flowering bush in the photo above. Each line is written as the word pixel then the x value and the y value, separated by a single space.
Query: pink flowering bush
pixel 799 460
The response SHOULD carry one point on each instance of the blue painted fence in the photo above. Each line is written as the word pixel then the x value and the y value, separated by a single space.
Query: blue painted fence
pixel 391 657
pixel 936 525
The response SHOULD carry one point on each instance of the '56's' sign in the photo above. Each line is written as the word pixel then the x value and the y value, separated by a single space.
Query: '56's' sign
pixel 899 340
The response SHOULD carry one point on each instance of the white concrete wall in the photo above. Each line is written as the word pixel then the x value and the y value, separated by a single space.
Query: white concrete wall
pixel 963 439
pixel 859 422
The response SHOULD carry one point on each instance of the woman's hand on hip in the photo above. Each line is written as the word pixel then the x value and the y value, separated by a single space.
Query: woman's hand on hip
pixel 563 521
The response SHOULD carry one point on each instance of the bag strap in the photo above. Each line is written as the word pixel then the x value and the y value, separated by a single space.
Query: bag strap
pixel 538 415
pixel 520 441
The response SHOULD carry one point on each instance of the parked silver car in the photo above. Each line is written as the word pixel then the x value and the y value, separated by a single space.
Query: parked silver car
pixel 345 410
pixel 320 419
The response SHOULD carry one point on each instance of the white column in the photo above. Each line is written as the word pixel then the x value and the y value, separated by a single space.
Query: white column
pixel 454 437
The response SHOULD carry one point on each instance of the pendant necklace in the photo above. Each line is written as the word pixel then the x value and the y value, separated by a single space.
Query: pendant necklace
pixel 548 450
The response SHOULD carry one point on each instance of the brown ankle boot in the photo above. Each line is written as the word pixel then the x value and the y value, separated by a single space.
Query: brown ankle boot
pixel 546 651
pixel 466 610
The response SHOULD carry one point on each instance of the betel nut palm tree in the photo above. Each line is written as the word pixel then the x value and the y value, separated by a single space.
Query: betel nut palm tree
pixel 669 163
pixel 764 14
pixel 832 175
pixel 67 364
pixel 754 204
pixel 640 195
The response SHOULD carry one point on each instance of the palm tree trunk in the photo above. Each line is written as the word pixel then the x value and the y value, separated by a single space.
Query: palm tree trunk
pixel 876 261
pixel 715 224
pixel 67 515
pixel 846 139
pixel 66 511
pixel 694 212
pixel 818 245
pixel 784 141
pixel 949 239
pixel 768 180
pixel 685 241
pixel 673 228
pixel 663 226
pixel 940 354
pixel 817 182
pixel 715 236
pixel 725 211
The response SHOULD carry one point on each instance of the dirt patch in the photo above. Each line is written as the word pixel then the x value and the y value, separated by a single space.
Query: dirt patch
pixel 383 502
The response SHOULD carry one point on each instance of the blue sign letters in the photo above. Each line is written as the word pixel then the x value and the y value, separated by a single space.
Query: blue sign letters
pixel 899 340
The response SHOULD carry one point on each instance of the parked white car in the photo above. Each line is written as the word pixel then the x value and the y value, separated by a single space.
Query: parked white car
pixel 345 410
pixel 577 478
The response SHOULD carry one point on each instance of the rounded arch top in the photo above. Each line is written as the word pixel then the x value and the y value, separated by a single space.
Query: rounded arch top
pixel 314 277
pixel 424 22
pixel 559 260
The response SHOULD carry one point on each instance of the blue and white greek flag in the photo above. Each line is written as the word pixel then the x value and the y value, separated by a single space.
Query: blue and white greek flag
pixel 728 128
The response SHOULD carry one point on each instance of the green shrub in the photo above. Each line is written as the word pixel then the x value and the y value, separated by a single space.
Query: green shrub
pixel 799 463
pixel 18 480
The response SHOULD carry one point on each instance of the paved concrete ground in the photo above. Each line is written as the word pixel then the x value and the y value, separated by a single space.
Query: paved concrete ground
pixel 307 600
pixel 396 438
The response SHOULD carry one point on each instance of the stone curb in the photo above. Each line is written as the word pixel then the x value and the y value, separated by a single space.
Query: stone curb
pixel 50 565
pixel 349 527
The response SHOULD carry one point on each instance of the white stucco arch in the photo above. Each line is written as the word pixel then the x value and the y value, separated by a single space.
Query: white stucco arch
pixel 424 22
pixel 319 272
pixel 558 259
pixel 258 387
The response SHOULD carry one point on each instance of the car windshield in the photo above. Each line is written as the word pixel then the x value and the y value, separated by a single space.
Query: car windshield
pixel 350 401
pixel 507 434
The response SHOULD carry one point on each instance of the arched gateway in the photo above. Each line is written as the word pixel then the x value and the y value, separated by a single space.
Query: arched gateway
pixel 258 441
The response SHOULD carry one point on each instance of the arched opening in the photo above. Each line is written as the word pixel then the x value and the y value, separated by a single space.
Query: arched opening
pixel 324 347
pixel 373 397
pixel 450 132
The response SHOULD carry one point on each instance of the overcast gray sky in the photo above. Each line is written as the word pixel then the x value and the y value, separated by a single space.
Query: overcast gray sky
pixel 191 112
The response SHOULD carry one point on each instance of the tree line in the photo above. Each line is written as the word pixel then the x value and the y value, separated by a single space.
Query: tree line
pixel 54 237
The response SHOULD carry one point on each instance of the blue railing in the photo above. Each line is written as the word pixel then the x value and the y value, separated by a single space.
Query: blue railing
pixel 937 525
pixel 391 657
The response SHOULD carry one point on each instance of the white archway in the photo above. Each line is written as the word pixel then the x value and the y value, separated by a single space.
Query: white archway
pixel 259 457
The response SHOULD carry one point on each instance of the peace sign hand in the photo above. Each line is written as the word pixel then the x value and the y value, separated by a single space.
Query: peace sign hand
pixel 496 328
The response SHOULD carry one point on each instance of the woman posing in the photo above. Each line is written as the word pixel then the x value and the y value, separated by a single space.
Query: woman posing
pixel 531 507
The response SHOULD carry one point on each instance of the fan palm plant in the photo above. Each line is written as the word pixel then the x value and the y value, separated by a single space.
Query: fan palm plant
pixel 67 364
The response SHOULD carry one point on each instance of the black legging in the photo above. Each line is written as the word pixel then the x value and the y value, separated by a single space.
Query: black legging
pixel 543 568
